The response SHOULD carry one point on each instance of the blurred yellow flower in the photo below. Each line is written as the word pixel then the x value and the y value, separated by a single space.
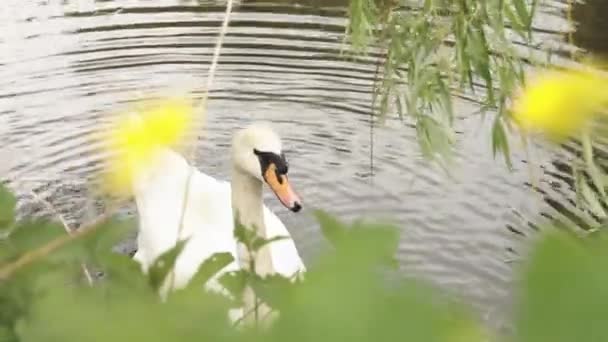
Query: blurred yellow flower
pixel 560 103
pixel 134 139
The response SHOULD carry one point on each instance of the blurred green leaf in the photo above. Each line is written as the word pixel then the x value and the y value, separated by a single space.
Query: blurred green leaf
pixel 522 13
pixel 91 314
pixel 7 208
pixel 594 171
pixel 333 230
pixel 29 235
pixel 272 289
pixel 163 265
pixel 344 298
pixel 113 231
pixel 249 237
pixel 243 234
pixel 234 282
pixel 259 242
pixel 16 296
pixel 564 290
pixel 122 273
pixel 517 25
pixel 210 267
pixel 591 199
pixel 500 142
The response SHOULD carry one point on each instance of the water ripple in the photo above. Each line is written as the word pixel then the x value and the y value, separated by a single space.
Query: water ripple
pixel 66 71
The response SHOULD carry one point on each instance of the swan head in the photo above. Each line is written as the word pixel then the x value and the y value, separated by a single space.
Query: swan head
pixel 257 151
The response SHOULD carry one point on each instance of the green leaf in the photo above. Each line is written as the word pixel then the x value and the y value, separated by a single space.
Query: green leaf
pixel 244 235
pixel 29 235
pixel 272 289
pixel 564 290
pixel 100 243
pixel 591 199
pixel 258 242
pixel 480 58
pixel 235 282
pixel 7 208
pixel 333 230
pixel 16 296
pixel 522 12
pixel 249 237
pixel 445 97
pixel 517 25
pixel 122 273
pixel 8 335
pixel 531 15
pixel 164 264
pixel 594 171
pixel 373 243
pixel 500 142
pixel 211 266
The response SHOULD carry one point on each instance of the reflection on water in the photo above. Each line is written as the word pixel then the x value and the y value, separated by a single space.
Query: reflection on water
pixel 67 67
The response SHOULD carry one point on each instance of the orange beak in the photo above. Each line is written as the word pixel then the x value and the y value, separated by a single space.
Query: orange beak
pixel 282 189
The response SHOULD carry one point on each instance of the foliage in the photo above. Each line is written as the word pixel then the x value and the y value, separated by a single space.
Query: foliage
pixel 562 293
pixel 436 47
pixel 343 296
pixel 564 290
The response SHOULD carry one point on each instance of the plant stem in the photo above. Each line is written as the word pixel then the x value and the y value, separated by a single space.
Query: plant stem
pixel 202 105
pixel 67 228
pixel 9 269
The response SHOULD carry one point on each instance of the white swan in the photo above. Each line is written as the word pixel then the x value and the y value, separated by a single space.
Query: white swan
pixel 257 157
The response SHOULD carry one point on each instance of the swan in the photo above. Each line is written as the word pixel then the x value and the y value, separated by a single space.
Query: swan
pixel 212 205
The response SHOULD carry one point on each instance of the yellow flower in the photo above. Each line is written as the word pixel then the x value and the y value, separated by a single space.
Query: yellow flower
pixel 135 138
pixel 559 104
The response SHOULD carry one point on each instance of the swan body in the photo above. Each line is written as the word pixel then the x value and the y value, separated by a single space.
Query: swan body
pixel 210 209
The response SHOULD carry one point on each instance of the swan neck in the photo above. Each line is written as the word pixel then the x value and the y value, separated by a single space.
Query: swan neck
pixel 247 204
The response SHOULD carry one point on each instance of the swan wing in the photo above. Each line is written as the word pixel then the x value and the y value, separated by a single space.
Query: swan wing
pixel 159 194
pixel 208 220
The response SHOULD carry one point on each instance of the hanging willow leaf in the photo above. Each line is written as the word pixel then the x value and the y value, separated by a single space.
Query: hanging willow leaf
pixel 517 25
pixel 522 12
pixel 591 199
pixel 433 47
pixel 594 171
pixel 500 142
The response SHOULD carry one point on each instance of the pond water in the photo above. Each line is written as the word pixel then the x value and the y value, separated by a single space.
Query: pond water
pixel 66 66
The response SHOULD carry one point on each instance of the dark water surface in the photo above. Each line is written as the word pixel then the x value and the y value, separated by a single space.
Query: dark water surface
pixel 66 66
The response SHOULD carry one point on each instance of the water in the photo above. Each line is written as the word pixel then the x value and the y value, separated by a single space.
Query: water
pixel 67 66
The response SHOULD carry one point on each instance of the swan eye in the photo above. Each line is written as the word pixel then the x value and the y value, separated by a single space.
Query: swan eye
pixel 268 158
pixel 285 162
